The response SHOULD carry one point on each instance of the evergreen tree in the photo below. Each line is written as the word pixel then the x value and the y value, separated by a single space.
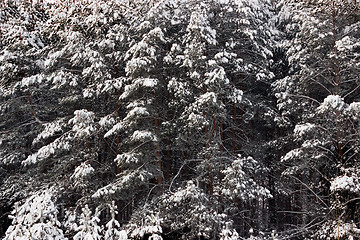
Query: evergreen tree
pixel 112 227
pixel 318 98
pixel 213 120
pixel 88 228
pixel 35 219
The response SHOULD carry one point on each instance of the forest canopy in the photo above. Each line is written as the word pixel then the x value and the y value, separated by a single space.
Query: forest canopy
pixel 179 119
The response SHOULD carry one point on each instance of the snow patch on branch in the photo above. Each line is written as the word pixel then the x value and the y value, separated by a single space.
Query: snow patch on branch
pixel 141 82
pixel 114 130
pixel 332 103
pixel 237 96
pixel 237 182
pixel 126 158
pixel 152 226
pixel 83 121
pixel 50 129
pixel 82 171
pixel 48 150
pixel 354 110
pixel 293 154
pixel 303 129
pixel 345 183
pixel 35 79
pixel 143 135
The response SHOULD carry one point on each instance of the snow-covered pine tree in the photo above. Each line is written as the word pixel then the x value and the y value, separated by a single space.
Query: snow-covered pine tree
pixel 75 55
pixel 112 231
pixel 201 98
pixel 20 46
pixel 36 219
pixel 179 91
pixel 320 97
pixel 138 153
pixel 187 213
pixel 88 228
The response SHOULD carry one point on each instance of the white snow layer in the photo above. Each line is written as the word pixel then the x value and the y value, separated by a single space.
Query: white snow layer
pixel 345 183
pixel 332 102
pixel 303 129
pixel 82 171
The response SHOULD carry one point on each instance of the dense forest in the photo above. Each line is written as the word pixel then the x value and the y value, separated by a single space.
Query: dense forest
pixel 179 119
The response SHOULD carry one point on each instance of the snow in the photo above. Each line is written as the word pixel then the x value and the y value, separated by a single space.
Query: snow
pixel 125 181
pixel 237 96
pixel 35 79
pixel 238 181
pixel 293 154
pixel 195 75
pixel 115 129
pixel 209 97
pixel 229 234
pixel 88 93
pixel 82 171
pixel 112 232
pixel 83 123
pixel 179 89
pixel 157 33
pixel 224 56
pixel 261 76
pixel 311 144
pixel 126 158
pixel 137 84
pixel 345 183
pixel 191 191
pixel 110 189
pixel 144 25
pixel 354 110
pixel 74 36
pixel 303 129
pixel 196 120
pixel 107 121
pixel 142 135
pixel 110 86
pixel 175 47
pixel 346 44
pixel 35 41
pixel 62 79
pixel 88 228
pixel 138 63
pixel 331 103
pixel 47 151
pixel 199 24
pixel 51 60
pixel 149 82
pixel 152 226
pixel 337 229
pixel 217 77
pixel 112 227
pixel 89 54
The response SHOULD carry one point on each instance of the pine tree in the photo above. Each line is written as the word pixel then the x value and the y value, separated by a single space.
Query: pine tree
pixel 214 120
pixel 36 219
pixel 323 80
pixel 198 98
pixel 88 228
pixel 138 157
pixel 112 227
pixel 187 212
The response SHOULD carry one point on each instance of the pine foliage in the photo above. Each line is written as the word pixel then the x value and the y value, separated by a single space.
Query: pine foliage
pixel 179 119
